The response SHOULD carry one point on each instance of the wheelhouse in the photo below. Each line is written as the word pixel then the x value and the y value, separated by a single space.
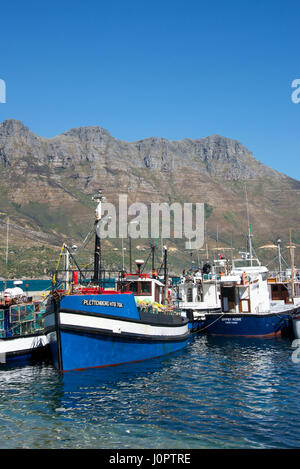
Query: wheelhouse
pixel 143 286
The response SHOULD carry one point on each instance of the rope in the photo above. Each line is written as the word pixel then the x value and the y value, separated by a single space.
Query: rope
pixel 205 327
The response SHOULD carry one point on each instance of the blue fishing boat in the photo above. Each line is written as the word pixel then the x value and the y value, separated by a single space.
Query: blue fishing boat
pixel 88 326
pixel 22 337
pixel 97 330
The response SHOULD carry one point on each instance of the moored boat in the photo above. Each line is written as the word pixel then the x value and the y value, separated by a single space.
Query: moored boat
pixel 197 293
pixel 296 324
pixel 247 309
pixel 22 337
pixel 103 329
pixel 89 326
pixel 284 286
pixel 284 289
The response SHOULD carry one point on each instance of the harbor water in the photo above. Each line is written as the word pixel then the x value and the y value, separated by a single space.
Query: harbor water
pixel 31 285
pixel 227 393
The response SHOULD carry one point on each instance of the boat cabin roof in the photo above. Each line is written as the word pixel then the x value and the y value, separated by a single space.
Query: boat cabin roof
pixel 254 270
pixel 141 278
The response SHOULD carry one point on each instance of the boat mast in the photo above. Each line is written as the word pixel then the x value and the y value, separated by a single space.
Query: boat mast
pixel 292 266
pixel 249 229
pixel 153 256
pixel 67 266
pixel 97 254
pixel 279 255
pixel 250 246
pixel 165 275
pixel 130 254
pixel 6 255
pixel 123 266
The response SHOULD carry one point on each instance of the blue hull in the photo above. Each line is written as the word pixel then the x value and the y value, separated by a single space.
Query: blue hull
pixel 106 330
pixel 81 351
pixel 196 325
pixel 248 325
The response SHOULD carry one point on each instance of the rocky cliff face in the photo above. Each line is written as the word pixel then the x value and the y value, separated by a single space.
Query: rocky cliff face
pixel 47 183
pixel 214 156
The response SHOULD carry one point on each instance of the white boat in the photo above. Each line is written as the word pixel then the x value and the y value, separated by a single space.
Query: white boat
pixel 22 335
pixel 197 293
pixel 247 309
pixel 285 290
pixel 296 325
pixel 284 286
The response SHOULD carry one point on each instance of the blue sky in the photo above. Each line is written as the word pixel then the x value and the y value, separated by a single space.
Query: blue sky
pixel 172 69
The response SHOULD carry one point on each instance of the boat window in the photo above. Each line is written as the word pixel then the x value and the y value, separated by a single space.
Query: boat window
pixel 136 287
pixel 157 290
pixel 190 294
pixel 146 288
pixel 132 286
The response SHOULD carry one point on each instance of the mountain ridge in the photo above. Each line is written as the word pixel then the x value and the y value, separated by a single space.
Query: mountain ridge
pixel 47 183
pixel 86 143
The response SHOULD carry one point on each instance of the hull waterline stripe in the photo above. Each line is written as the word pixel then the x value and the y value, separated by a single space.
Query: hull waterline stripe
pixel 181 321
pixel 124 334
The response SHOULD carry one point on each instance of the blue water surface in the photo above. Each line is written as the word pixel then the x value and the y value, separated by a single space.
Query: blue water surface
pixel 216 393
pixel 33 284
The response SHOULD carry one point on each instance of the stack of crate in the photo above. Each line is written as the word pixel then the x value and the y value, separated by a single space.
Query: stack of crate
pixel 25 319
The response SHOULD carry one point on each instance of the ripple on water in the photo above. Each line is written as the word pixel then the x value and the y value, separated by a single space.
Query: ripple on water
pixel 217 393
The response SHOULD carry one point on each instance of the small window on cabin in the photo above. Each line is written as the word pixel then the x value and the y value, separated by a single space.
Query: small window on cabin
pixel 132 286
pixel 146 288
pixel 189 295
pixel 275 287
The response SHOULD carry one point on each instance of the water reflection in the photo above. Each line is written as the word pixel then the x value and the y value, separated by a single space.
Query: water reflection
pixel 218 392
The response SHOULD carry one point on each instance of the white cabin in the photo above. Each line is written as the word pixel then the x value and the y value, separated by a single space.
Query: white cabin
pixel 198 292
pixel 284 286
pixel 245 290
pixel 143 286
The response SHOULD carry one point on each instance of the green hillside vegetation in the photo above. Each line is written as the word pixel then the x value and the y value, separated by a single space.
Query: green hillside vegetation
pixel 47 187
